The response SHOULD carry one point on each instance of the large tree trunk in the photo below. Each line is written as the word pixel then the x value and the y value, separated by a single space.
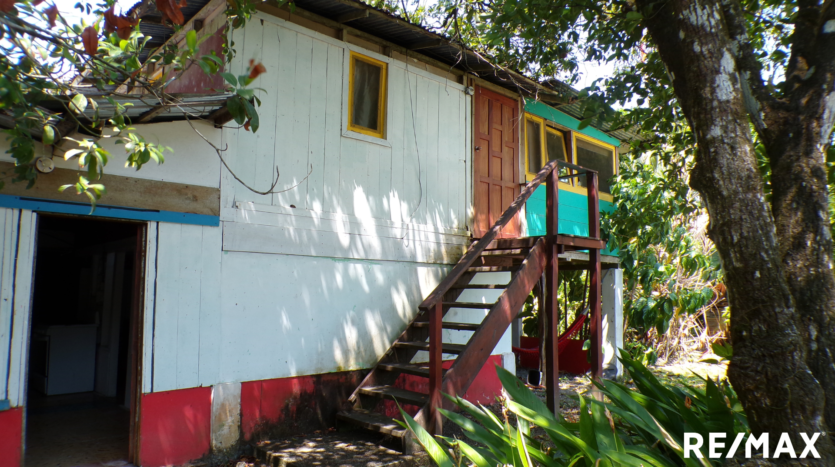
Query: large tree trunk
pixel 776 272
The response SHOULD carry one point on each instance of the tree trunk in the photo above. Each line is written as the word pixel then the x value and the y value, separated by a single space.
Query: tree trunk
pixel 769 369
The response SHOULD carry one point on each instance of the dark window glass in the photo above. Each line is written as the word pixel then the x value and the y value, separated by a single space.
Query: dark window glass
pixel 555 146
pixel 534 145
pixel 366 95
pixel 598 158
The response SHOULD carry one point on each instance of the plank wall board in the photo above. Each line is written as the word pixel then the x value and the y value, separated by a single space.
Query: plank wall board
pixel 8 242
pixel 186 310
pixel 121 191
pixel 22 302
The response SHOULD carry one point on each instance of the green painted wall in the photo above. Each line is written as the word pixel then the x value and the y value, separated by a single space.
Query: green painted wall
pixel 549 113
pixel 573 214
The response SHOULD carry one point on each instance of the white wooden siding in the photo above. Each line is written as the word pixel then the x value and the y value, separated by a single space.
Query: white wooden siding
pixel 9 221
pixel 186 306
pixel 18 256
pixel 416 176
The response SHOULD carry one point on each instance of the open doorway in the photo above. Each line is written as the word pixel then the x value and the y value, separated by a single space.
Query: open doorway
pixel 84 342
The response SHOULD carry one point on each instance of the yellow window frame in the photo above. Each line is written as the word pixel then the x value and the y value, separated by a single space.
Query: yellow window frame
pixel 543 130
pixel 581 190
pixel 381 109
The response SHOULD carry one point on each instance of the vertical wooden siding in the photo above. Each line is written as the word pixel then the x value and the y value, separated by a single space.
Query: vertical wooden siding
pixel 417 174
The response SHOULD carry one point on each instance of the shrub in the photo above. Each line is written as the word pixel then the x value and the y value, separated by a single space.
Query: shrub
pixel 641 427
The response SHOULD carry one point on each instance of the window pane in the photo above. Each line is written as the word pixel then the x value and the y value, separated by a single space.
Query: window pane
pixel 556 147
pixel 366 95
pixel 598 158
pixel 556 150
pixel 534 146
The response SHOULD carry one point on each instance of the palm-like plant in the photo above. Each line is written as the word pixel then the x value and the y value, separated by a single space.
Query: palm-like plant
pixel 642 427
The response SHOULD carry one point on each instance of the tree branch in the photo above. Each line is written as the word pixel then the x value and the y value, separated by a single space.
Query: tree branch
pixel 758 100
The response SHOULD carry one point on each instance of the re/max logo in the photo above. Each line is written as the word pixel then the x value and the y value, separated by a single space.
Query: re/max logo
pixel 715 447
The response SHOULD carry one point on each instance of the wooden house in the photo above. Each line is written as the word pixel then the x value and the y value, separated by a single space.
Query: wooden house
pixel 220 315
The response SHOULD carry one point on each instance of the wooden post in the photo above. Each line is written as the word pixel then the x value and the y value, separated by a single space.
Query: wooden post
pixel 552 364
pixel 436 316
pixel 596 324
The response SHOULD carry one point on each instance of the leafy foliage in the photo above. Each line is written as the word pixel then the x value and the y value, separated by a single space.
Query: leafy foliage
pixel 46 62
pixel 644 426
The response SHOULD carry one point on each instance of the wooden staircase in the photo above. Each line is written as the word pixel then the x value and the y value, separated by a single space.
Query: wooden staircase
pixel 525 259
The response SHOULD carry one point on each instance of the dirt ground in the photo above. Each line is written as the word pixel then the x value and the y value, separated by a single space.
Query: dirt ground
pixel 358 448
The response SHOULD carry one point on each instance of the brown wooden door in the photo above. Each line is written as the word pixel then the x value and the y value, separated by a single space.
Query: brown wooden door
pixel 496 161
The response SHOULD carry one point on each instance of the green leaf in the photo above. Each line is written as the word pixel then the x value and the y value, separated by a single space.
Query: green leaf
pixel 230 78
pixel 78 103
pixel 48 135
pixel 435 450
pixel 191 40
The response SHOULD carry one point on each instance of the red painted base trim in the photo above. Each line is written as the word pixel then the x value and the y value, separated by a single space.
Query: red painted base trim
pixel 11 437
pixel 486 386
pixel 287 406
pixel 175 427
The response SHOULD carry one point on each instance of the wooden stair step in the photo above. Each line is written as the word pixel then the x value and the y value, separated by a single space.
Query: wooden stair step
pixel 477 306
pixel 479 286
pixel 401 395
pixel 407 368
pixel 449 325
pixel 373 421
pixel 445 348
pixel 511 252
pixel 491 268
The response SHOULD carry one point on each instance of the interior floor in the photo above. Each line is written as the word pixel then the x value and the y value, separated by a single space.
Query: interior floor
pixel 79 383
pixel 76 430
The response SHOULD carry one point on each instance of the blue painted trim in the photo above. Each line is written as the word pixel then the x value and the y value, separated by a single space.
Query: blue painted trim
pixel 66 207
pixel 5 405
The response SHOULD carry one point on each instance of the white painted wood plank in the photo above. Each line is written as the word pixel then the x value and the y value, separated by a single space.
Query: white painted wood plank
pixel 469 124
pixel 291 241
pixel 210 311
pixel 317 124
pixel 462 173
pixel 429 138
pixel 151 254
pixel 264 157
pixel 371 186
pixel 349 168
pixel 396 114
pixel 188 309
pixel 248 143
pixel 231 214
pixel 294 165
pixel 333 129
pixel 350 225
pixel 167 303
pixel 412 163
pixel 449 155
pixel 8 219
pixel 24 274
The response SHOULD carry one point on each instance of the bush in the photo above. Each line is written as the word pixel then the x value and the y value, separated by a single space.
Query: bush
pixel 641 427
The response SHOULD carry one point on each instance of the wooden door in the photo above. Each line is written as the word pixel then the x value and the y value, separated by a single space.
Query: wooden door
pixel 496 161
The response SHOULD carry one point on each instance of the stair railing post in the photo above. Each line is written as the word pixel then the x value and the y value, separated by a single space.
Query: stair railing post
pixel 436 316
pixel 596 324
pixel 551 312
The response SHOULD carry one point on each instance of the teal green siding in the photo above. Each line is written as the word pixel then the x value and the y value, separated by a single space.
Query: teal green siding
pixel 573 214
pixel 549 113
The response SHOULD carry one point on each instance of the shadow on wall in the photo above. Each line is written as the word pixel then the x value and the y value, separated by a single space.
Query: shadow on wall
pixel 280 408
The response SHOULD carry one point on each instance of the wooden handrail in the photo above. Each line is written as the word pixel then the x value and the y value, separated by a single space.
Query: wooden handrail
pixel 478 247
